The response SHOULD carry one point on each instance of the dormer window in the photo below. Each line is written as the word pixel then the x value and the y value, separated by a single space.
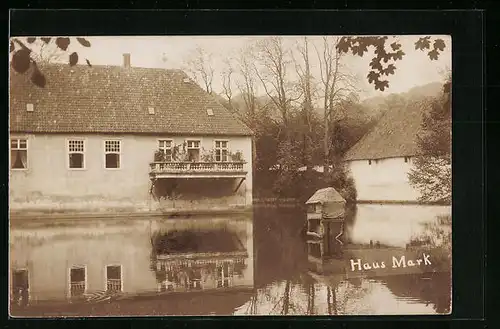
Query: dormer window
pixel 210 112
pixel 29 107
pixel 151 110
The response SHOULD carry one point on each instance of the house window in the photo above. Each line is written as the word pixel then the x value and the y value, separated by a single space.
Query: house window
pixel 76 154
pixel 77 281
pixel 221 152
pixel 193 148
pixel 165 147
pixel 112 153
pixel 19 154
pixel 114 278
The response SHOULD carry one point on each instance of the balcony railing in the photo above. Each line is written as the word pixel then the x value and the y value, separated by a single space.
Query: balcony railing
pixel 77 288
pixel 196 167
pixel 114 285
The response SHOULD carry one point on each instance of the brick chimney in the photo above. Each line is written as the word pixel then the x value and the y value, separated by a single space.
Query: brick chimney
pixel 126 60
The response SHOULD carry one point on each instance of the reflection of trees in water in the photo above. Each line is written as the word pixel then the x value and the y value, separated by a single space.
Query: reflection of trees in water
pixel 432 289
pixel 349 293
pixel 280 300
pixel 284 298
pixel 280 251
pixel 331 300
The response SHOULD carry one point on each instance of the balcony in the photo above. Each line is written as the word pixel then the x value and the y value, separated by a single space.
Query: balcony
pixel 232 169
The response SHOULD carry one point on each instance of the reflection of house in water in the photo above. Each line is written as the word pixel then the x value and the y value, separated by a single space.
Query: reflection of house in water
pixel 65 262
pixel 115 259
pixel 193 260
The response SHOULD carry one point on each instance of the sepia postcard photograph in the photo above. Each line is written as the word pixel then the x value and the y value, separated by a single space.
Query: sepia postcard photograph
pixel 230 175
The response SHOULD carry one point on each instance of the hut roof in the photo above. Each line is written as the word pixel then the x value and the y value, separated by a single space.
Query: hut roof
pixel 328 194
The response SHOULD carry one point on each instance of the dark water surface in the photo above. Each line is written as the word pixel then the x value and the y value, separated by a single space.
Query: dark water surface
pixel 241 264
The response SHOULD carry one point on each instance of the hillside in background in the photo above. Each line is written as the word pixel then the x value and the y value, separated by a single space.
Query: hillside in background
pixel 375 106
pixel 366 110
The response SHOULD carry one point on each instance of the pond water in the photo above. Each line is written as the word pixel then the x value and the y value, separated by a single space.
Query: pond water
pixel 241 264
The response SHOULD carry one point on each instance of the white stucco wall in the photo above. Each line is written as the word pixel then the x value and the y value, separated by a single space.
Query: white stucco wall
pixel 48 259
pixel 48 183
pixel 383 180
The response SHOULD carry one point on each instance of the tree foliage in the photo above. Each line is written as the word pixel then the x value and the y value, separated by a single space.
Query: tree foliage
pixel 386 54
pixel 431 174
pixel 26 55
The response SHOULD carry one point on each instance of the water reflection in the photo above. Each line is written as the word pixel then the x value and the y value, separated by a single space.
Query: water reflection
pixel 120 261
pixel 187 260
pixel 246 264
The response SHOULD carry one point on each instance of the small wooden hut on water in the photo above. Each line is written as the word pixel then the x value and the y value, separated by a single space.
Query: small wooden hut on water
pixel 325 219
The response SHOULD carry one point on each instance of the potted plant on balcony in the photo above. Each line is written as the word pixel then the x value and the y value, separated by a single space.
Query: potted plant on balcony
pixel 159 156
pixel 179 153
pixel 207 155
pixel 237 156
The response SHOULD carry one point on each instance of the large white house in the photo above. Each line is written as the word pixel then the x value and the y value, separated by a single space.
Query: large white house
pixel 126 137
pixel 381 160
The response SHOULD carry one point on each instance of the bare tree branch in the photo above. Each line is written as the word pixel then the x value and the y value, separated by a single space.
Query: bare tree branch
pixel 201 68
pixel 227 82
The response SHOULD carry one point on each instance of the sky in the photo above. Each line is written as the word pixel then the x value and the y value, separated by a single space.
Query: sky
pixel 174 51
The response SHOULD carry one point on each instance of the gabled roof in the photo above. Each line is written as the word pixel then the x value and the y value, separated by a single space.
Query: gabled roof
pixel 324 195
pixel 395 135
pixel 113 99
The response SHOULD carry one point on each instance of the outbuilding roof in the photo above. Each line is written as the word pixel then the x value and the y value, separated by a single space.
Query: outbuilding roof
pixel 395 135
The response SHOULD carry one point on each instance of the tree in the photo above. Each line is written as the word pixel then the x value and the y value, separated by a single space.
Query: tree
pixel 273 61
pixel 360 45
pixel 431 174
pixel 227 84
pixel 201 68
pixel 306 85
pixel 28 53
pixel 337 83
pixel 272 70
pixel 247 83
